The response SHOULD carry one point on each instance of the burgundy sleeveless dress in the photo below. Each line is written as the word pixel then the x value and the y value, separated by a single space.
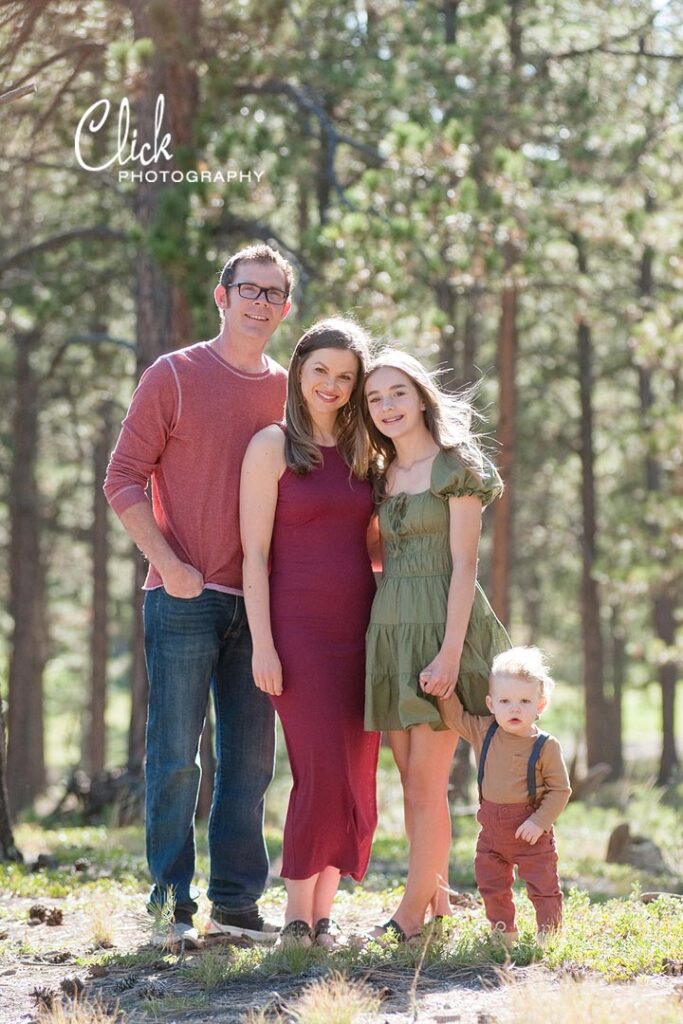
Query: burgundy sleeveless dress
pixel 321 591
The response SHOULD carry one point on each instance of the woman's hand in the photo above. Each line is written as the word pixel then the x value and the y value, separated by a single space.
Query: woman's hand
pixel 267 672
pixel 439 677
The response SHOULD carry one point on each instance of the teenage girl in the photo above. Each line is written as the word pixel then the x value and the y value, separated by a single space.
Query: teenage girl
pixel 431 627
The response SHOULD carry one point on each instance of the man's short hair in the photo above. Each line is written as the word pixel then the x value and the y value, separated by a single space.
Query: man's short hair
pixel 527 663
pixel 258 253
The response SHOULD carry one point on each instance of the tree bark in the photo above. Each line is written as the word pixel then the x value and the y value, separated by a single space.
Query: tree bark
pixel 603 719
pixel 94 745
pixel 163 320
pixel 450 10
pixel 447 301
pixel 663 604
pixel 8 848
pixel 25 752
pixel 138 672
pixel 665 627
pixel 470 338
pixel 507 439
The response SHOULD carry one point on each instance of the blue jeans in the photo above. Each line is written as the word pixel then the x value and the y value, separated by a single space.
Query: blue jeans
pixel 193 645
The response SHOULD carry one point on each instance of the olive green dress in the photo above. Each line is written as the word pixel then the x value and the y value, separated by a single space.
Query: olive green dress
pixel 408 617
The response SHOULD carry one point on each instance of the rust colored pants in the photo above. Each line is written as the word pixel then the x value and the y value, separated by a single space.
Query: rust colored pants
pixel 497 854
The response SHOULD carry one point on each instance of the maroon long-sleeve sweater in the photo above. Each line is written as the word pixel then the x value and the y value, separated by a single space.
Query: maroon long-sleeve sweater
pixel 188 426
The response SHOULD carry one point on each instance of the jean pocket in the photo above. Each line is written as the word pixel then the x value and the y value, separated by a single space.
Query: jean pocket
pixel 172 597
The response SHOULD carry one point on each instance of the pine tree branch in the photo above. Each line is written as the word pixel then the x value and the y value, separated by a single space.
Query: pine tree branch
pixel 15 94
pixel 57 241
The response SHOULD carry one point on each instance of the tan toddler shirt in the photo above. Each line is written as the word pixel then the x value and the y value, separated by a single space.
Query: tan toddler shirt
pixel 505 772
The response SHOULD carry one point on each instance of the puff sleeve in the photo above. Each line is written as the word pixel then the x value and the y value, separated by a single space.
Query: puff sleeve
pixel 452 478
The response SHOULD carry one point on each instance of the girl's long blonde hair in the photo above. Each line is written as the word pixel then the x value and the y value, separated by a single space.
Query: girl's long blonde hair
pixel 301 452
pixel 448 417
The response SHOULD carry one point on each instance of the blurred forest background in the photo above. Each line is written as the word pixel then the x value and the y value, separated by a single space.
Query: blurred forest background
pixel 495 185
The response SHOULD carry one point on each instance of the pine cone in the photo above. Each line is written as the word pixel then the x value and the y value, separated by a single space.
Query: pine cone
pixel 98 971
pixel 37 913
pixel 125 983
pixel 71 985
pixel 153 990
pixel 43 998
pixel 55 916
pixel 57 956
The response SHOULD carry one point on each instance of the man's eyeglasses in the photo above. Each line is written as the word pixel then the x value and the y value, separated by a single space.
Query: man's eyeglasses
pixel 275 296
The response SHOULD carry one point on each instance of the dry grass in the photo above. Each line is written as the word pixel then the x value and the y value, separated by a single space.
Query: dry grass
pixel 78 1012
pixel 537 1001
pixel 335 1000
pixel 101 932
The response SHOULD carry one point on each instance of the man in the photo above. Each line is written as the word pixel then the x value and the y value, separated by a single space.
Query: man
pixel 189 423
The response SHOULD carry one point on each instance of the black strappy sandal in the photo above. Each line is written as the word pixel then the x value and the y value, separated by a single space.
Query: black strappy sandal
pixel 393 930
pixel 326 933
pixel 296 933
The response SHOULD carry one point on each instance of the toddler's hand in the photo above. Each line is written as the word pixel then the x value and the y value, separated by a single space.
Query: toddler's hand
pixel 439 678
pixel 529 831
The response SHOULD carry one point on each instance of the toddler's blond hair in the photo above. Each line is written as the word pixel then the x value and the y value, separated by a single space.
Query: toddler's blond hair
pixel 527 663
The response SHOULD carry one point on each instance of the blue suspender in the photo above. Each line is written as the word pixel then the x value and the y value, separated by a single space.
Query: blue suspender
pixel 484 751
pixel 531 767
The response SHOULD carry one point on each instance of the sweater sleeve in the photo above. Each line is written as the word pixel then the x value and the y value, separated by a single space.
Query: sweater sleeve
pixel 151 418
pixel 470 727
pixel 556 784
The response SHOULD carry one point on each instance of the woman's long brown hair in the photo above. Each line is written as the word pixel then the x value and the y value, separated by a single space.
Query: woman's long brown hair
pixel 301 452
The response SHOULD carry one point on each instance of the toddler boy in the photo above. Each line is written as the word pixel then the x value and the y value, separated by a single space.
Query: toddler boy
pixel 523 788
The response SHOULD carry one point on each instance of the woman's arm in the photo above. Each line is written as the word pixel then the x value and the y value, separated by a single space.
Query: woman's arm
pixel 440 676
pixel 262 468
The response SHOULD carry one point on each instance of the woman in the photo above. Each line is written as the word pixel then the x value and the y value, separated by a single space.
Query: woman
pixel 431 625
pixel 305 509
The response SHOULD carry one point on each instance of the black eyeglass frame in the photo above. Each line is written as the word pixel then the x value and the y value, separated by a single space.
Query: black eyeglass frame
pixel 261 291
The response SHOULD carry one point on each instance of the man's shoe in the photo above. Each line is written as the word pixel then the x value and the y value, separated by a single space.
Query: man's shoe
pixel 241 925
pixel 176 935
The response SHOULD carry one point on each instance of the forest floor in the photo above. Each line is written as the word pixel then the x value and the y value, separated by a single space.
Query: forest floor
pixel 617 956
pixel 457 979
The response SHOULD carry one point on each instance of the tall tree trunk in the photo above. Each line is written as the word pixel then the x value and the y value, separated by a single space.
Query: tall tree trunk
pixel 138 672
pixel 470 338
pixel 663 604
pixel 447 301
pixel 450 10
pixel 163 320
pixel 94 745
pixel 507 439
pixel 603 725
pixel 25 753
pixel 665 627
pixel 8 848
pixel 507 350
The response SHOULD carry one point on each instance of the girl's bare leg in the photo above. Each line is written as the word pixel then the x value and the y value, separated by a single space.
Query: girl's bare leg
pixel 425 768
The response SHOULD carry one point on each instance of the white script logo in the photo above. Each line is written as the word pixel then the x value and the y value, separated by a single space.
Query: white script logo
pixel 144 153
